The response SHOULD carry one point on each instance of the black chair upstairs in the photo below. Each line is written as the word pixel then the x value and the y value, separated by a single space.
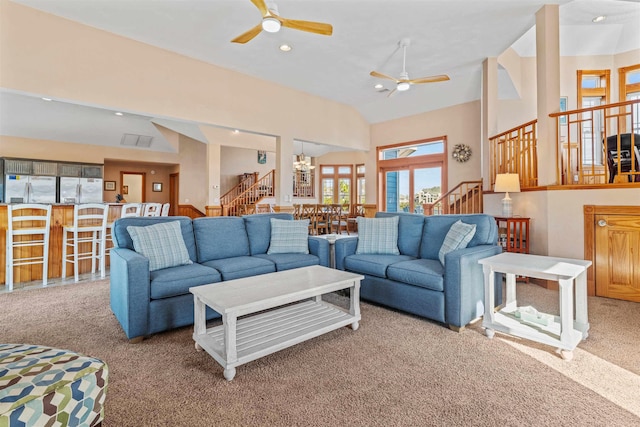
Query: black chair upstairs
pixel 625 156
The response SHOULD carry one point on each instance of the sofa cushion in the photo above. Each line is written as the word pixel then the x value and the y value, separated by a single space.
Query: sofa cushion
pixel 458 237
pixel 377 236
pixel 220 237
pixel 259 230
pixel 242 266
pixel 373 265
pixel 122 239
pixel 174 281
pixel 161 243
pixel 436 228
pixel 409 231
pixel 289 237
pixel 425 273
pixel 289 261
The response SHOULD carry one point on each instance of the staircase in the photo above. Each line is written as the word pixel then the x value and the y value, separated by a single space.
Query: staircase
pixel 249 191
pixel 465 198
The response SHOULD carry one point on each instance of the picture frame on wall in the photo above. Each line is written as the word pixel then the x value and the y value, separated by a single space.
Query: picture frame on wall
pixel 262 157
pixel 125 189
pixel 563 107
pixel 109 186
pixel 157 187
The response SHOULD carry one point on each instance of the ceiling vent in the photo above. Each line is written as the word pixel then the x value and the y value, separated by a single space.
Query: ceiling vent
pixel 132 140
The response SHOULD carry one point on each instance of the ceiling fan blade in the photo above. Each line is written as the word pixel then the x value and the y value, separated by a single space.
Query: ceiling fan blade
pixel 262 6
pixel 249 35
pixel 431 79
pixel 308 26
pixel 382 76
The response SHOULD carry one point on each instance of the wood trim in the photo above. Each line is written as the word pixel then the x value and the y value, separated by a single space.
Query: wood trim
pixel 590 212
pixel 190 211
pixel 213 210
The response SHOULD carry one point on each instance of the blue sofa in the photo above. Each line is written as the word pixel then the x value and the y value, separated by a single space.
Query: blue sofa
pixel 220 248
pixel 415 281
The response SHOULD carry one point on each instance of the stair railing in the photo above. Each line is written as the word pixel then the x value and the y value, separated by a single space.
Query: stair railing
pixel 465 198
pixel 263 187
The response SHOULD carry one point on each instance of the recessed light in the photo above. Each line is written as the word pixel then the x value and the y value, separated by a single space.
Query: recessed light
pixel 236 131
pixel 599 18
pixel 378 86
pixel 285 47
pixel 118 113
pixel 46 99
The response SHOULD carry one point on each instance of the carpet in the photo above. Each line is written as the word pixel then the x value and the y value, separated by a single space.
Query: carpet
pixel 396 369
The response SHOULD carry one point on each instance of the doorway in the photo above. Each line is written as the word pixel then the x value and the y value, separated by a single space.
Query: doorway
pixel 132 186
pixel 174 197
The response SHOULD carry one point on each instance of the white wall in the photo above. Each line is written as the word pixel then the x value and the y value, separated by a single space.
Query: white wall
pixel 237 161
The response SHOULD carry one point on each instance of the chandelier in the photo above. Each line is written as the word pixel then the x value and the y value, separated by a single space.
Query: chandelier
pixel 303 163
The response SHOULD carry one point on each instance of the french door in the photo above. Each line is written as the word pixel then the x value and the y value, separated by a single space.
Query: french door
pixel 406 189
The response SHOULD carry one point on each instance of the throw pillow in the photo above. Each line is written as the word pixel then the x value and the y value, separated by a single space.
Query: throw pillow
pixel 458 237
pixel 162 243
pixel 378 236
pixel 289 236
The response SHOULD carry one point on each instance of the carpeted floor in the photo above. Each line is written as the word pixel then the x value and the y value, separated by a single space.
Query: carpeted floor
pixel 395 370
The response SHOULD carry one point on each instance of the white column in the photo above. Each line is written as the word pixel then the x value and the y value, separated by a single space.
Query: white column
pixel 548 89
pixel 489 116
pixel 284 170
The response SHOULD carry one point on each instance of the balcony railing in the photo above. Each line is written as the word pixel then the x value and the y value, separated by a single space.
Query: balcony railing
pixel 596 146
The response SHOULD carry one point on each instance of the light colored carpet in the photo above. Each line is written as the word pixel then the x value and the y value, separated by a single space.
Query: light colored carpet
pixel 395 370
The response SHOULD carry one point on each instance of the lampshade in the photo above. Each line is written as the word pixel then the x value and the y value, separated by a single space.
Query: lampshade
pixel 507 182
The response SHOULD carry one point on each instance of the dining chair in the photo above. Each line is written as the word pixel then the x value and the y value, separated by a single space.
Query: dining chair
pixel 152 209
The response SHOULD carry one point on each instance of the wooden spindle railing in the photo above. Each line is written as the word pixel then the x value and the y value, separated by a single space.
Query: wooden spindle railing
pixel 465 198
pixel 263 187
pixel 303 184
pixel 515 151
pixel 247 181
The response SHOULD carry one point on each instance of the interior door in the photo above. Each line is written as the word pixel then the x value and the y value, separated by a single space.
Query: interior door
pixel 617 256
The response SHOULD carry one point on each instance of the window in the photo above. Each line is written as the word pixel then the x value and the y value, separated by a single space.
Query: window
pixel 412 174
pixel 629 78
pixel 593 90
pixel 360 184
pixel 336 184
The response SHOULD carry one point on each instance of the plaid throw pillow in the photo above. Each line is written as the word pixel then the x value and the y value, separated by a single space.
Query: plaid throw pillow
pixel 289 237
pixel 458 237
pixel 162 243
pixel 378 236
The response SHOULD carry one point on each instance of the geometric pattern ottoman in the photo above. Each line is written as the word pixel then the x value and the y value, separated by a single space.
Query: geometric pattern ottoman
pixel 44 386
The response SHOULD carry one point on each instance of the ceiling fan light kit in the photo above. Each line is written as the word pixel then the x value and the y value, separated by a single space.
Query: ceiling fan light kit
pixel 271 24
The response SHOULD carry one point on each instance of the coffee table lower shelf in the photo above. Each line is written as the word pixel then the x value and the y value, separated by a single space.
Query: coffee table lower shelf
pixel 261 334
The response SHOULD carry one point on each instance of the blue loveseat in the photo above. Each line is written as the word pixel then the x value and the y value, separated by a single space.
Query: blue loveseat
pixel 219 248
pixel 415 281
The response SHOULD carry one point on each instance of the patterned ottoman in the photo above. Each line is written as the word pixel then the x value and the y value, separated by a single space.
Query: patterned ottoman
pixel 44 386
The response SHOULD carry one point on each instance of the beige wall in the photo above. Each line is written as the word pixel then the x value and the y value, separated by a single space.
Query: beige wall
pixel 459 123
pixel 242 160
pixel 152 172
pixel 193 173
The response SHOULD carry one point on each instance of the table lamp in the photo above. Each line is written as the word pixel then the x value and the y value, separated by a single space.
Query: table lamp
pixel 507 182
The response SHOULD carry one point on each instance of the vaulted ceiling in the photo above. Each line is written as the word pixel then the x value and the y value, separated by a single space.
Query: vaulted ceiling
pixel 450 37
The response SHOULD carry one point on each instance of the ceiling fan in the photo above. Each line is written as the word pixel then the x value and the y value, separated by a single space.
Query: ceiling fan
pixel 403 83
pixel 271 23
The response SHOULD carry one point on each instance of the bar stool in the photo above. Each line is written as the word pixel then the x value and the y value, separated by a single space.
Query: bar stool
pixel 131 209
pixel 152 209
pixel 165 209
pixel 89 226
pixel 25 226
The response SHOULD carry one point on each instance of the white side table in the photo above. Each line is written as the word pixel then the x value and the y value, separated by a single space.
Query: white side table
pixel 564 332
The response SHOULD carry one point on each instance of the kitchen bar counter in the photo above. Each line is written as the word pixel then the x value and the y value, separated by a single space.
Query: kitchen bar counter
pixel 61 214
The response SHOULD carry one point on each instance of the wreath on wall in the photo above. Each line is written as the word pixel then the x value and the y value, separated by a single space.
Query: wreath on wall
pixel 461 153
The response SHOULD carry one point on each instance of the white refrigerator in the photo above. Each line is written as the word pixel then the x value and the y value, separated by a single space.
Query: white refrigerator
pixel 80 190
pixel 30 189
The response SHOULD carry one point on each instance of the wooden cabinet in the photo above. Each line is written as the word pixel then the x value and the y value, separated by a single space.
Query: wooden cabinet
pixel 513 234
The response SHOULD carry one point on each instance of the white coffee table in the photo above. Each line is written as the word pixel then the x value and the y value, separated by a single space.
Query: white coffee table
pixel 564 331
pixel 301 314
